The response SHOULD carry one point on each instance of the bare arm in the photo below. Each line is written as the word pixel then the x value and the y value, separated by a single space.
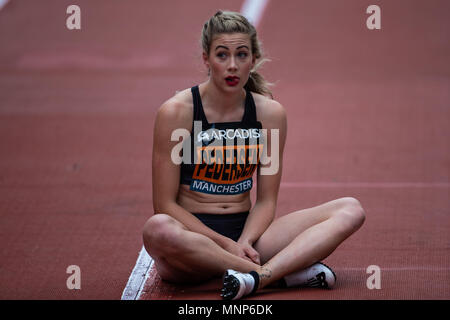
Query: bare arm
pixel 263 212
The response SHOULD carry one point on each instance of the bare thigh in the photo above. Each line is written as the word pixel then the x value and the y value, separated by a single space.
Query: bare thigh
pixel 164 250
pixel 285 229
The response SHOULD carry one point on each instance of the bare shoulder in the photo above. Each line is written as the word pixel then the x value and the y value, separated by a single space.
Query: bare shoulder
pixel 177 110
pixel 270 112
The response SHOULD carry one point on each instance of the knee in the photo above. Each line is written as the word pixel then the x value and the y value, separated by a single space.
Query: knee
pixel 352 213
pixel 159 233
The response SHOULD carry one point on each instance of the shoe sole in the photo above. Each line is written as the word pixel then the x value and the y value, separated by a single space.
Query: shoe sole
pixel 231 286
pixel 320 279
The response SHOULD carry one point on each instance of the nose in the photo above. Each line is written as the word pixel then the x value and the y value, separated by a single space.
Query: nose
pixel 232 65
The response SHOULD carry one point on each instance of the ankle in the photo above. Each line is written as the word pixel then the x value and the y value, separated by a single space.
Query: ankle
pixel 265 276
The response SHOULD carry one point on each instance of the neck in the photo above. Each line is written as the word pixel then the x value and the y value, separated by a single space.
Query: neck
pixel 222 101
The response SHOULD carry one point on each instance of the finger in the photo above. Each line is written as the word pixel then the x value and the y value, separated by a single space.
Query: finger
pixel 253 254
pixel 244 254
pixel 256 259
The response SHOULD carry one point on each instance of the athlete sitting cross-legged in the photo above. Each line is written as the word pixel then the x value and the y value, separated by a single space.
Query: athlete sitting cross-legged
pixel 204 224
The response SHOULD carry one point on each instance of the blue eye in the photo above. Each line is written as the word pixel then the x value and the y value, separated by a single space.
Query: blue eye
pixel 243 54
pixel 221 54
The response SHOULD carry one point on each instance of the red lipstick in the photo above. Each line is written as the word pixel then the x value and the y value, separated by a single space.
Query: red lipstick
pixel 232 80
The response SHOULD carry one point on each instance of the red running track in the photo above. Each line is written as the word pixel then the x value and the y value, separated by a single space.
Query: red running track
pixel 368 117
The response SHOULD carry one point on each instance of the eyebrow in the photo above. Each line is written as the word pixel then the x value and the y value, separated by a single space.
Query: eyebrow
pixel 220 46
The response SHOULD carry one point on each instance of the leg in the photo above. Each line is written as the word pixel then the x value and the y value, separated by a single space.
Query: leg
pixel 184 256
pixel 297 240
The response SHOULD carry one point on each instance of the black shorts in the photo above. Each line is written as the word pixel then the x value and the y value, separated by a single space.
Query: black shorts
pixel 228 225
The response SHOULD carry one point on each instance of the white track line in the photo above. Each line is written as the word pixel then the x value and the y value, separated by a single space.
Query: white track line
pixel 3 3
pixel 253 10
pixel 365 185
pixel 138 277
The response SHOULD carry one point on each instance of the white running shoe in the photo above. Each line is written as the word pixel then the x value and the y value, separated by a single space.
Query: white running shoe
pixel 318 275
pixel 237 284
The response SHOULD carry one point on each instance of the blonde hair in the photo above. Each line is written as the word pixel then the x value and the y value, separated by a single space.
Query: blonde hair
pixel 233 22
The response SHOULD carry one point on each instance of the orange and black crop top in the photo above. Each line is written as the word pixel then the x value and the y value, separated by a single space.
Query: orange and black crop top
pixel 224 155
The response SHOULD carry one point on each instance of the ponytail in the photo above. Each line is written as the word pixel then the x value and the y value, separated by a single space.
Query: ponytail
pixel 257 83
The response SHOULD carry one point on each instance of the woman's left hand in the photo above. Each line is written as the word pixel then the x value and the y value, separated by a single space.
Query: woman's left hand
pixel 250 251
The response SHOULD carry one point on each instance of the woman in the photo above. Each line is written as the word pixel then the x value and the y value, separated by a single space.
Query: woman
pixel 204 224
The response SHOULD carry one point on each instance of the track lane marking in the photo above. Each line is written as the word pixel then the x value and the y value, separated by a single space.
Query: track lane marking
pixel 138 276
pixel 3 3
pixel 253 10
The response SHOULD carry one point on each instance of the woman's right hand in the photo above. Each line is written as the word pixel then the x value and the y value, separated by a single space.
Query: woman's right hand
pixel 237 249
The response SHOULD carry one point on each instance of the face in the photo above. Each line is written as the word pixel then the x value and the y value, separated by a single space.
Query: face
pixel 230 61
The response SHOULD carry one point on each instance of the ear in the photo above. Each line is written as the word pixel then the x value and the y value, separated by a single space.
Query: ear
pixel 205 59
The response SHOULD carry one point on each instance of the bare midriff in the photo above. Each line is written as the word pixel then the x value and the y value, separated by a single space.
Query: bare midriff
pixel 197 202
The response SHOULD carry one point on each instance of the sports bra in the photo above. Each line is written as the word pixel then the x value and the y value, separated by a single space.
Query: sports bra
pixel 224 155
